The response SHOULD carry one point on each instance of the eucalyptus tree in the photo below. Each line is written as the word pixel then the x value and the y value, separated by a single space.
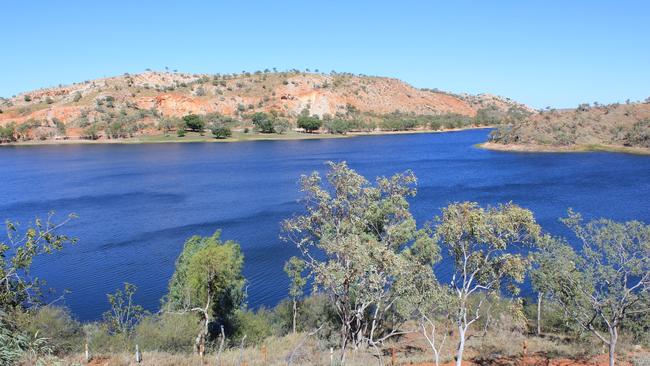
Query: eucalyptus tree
pixel 207 281
pixel 606 280
pixel 483 244
pixel 359 242
pixel 294 268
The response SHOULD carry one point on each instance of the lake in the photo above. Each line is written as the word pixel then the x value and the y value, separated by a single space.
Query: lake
pixel 138 203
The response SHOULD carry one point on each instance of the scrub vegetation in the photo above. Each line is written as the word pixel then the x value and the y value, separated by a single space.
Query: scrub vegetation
pixel 366 289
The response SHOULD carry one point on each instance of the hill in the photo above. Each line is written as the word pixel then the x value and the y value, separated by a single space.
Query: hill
pixel 135 105
pixel 620 127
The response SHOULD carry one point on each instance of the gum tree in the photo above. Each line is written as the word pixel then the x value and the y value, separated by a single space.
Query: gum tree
pixel 483 244
pixel 606 280
pixel 207 281
pixel 294 268
pixel 359 242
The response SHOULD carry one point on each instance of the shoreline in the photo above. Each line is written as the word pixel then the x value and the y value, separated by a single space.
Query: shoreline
pixel 238 137
pixel 518 148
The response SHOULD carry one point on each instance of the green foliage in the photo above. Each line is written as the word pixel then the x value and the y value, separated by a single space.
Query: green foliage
pixel 91 132
pixel 8 132
pixel 483 243
pixel 180 132
pixel 167 332
pixel 604 282
pixel 263 122
pixel 194 122
pixel 17 288
pixel 208 273
pixel 221 132
pixel 123 315
pixel 366 240
pixel 294 268
pixel 309 123
pixel 62 333
pixel 27 98
pixel 169 123
pixel 338 126
pixel 255 325
pixel 76 97
pixel 639 134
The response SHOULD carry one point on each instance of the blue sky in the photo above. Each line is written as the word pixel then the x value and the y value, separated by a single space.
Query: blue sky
pixel 543 53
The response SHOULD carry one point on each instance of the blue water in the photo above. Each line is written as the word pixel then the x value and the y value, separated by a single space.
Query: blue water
pixel 138 203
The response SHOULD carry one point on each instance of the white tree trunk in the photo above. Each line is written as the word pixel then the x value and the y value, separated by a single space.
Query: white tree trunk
pixel 295 311
pixel 539 313
pixel 613 338
pixel 461 346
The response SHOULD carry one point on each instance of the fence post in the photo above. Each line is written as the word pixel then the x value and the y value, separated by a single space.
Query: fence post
pixel 331 356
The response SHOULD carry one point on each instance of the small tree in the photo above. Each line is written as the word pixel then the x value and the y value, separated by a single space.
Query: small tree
pixel 309 124
pixel 221 132
pixel 17 288
pixel 294 268
pixel 263 122
pixel 124 315
pixel 480 242
pixel 607 280
pixel 208 281
pixel 194 122
pixel 167 124
pixel 360 244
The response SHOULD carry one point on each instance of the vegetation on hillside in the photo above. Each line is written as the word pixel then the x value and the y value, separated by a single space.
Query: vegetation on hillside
pixel 374 286
pixel 153 102
pixel 625 125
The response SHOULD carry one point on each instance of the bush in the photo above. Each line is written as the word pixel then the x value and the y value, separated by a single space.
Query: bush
pixel 221 132
pixel 256 326
pixel 310 124
pixel 338 126
pixel 56 325
pixel 167 332
pixel 180 132
pixel 263 122
pixel 76 97
pixel 194 122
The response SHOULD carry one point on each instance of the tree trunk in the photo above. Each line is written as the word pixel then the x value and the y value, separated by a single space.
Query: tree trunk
pixel 295 311
pixel 613 338
pixel 539 313
pixel 461 346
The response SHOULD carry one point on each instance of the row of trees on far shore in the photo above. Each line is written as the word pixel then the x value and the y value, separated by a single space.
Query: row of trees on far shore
pixel 372 273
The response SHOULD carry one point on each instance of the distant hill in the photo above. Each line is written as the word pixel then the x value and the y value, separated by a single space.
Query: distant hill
pixel 137 103
pixel 608 127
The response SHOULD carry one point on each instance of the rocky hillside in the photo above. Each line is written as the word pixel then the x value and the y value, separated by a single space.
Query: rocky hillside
pixel 143 100
pixel 588 126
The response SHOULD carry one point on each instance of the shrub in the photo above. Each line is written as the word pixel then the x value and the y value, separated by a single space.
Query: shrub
pixel 263 122
pixel 338 126
pixel 310 124
pixel 167 332
pixel 194 122
pixel 221 132
pixel 256 326
pixel 76 97
pixel 55 324
pixel 27 98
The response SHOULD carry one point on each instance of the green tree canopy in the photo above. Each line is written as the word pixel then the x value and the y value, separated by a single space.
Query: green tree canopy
pixel 309 123
pixel 194 122
pixel 604 282
pixel 360 244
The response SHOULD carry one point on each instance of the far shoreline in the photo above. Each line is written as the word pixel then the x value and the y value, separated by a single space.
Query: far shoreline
pixel 239 137
pixel 519 148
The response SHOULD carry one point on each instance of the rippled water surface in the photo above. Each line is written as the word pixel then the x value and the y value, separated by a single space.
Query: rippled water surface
pixel 138 203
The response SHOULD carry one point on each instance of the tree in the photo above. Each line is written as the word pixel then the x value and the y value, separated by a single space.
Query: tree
pixel 310 124
pixel 294 268
pixel 360 244
pixel 8 133
pixel 263 122
pixel 607 280
pixel 169 123
pixel 17 287
pixel 124 315
pixel 480 242
pixel 194 122
pixel 221 132
pixel 208 281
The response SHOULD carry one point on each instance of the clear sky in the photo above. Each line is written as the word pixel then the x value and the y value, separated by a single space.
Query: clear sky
pixel 540 52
